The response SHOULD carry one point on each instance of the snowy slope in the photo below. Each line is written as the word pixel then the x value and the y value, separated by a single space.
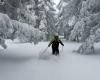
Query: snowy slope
pixel 21 62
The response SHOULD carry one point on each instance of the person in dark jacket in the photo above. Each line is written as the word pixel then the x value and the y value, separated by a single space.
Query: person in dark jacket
pixel 55 45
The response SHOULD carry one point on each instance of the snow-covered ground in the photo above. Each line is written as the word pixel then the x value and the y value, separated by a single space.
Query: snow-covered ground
pixel 22 62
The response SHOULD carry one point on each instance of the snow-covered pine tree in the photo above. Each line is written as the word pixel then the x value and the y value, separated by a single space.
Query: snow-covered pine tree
pixel 9 7
pixel 39 14
pixel 25 32
pixel 69 10
pixel 6 29
pixel 26 13
pixel 91 14
pixel 12 29
pixel 86 26
pixel 47 17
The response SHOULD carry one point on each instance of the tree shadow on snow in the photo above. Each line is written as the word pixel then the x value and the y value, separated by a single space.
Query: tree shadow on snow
pixel 10 57
pixel 97 51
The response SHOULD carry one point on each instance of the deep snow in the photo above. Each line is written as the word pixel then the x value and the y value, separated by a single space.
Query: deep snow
pixel 22 62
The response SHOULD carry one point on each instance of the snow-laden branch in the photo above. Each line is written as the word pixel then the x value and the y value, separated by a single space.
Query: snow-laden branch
pixel 14 29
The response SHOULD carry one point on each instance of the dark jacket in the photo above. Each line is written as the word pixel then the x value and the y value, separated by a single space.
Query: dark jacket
pixel 55 42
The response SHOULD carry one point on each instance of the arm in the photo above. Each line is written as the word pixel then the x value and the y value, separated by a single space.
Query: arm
pixel 50 43
pixel 61 42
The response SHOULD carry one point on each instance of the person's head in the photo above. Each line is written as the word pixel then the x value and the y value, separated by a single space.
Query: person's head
pixel 56 36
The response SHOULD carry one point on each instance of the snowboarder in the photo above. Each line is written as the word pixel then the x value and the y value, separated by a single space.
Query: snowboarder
pixel 55 45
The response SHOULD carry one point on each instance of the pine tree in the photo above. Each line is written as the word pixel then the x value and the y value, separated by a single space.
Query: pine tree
pixel 39 14
pixel 29 18
pixel 6 29
pixel 87 20
pixel 69 10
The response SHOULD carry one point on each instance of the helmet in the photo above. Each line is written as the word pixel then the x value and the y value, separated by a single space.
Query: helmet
pixel 56 34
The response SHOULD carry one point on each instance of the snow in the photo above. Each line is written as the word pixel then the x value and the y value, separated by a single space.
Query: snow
pixel 26 33
pixel 22 62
